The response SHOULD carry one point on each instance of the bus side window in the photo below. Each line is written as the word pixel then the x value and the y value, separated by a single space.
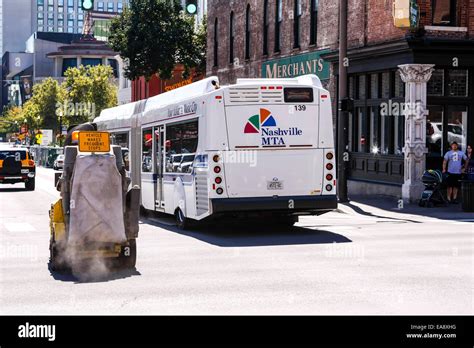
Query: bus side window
pixel 147 150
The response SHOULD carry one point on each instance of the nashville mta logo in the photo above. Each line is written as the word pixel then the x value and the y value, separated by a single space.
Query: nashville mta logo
pixel 256 122
pixel 265 124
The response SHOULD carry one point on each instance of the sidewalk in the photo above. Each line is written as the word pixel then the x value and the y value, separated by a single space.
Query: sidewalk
pixel 388 207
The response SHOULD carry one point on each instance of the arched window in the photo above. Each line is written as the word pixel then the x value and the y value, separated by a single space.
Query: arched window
pixel 247 33
pixel 216 43
pixel 278 19
pixel 314 22
pixel 265 27
pixel 231 38
pixel 296 28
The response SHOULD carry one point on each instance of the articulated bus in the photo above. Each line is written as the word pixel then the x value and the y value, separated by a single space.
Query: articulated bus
pixel 260 147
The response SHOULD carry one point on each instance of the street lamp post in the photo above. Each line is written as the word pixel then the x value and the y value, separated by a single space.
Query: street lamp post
pixel 342 157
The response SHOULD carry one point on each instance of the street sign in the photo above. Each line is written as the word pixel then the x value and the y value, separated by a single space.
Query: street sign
pixel 94 142
pixel 47 137
pixel 406 14
pixel 297 65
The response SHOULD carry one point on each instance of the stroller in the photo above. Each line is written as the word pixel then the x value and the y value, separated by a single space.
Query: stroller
pixel 432 195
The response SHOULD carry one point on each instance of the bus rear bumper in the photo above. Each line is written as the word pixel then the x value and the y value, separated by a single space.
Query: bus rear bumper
pixel 292 205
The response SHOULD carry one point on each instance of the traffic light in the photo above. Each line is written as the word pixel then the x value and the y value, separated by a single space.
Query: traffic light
pixel 191 7
pixel 87 5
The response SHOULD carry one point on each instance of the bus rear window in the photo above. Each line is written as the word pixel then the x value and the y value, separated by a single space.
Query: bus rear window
pixel 299 95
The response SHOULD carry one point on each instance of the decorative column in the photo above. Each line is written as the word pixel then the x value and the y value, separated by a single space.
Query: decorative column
pixel 416 77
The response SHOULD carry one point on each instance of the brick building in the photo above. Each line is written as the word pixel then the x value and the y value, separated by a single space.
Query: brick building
pixel 284 38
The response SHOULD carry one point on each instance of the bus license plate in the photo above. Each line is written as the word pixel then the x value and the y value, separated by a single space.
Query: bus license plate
pixel 275 185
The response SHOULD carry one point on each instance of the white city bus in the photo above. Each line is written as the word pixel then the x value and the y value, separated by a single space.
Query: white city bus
pixel 261 147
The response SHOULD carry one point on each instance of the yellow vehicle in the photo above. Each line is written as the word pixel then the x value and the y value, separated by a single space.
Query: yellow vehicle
pixel 97 214
pixel 17 165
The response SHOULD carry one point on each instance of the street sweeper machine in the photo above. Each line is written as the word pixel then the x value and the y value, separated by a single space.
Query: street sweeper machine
pixel 96 217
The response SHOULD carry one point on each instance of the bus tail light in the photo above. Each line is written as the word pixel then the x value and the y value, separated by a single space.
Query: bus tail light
pixel 328 187
pixel 220 190
pixel 218 180
pixel 329 177
pixel 329 155
pixel 216 158
pixel 329 166
pixel 31 163
pixel 217 169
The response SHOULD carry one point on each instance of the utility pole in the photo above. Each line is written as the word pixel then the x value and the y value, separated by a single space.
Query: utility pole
pixel 342 155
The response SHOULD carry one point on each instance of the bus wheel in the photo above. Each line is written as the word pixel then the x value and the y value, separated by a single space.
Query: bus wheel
pixel 181 221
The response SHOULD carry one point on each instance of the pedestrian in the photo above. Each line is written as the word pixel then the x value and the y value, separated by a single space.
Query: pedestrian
pixel 452 165
pixel 469 163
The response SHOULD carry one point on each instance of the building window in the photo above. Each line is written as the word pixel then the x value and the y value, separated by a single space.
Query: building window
pixel 265 27
pixel 100 6
pixel 91 61
pixel 113 64
pixel 458 83
pixel 120 7
pixel 110 7
pixel 68 63
pixel 296 25
pixel 60 2
pixel 314 22
pixel 247 33
pixel 278 19
pixel 40 2
pixel 444 12
pixel 435 85
pixel 231 38
pixel 40 9
pixel 216 43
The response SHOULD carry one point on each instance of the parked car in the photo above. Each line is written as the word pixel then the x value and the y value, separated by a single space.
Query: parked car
pixel 59 162
pixel 16 165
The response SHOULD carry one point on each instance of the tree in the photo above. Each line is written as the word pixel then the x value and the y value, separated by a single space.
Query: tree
pixel 11 120
pixel 86 92
pixel 154 36
pixel 40 110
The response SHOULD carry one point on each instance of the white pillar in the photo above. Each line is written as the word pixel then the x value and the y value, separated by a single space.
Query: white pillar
pixel 415 77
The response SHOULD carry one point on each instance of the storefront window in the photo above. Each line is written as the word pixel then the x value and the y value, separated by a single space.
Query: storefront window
pixel 457 83
pixel 436 83
pixel 374 146
pixel 386 85
pixel 351 87
pixel 361 133
pixel 399 135
pixel 434 131
pixel 399 86
pixel 361 87
pixel 374 86
pixel 457 125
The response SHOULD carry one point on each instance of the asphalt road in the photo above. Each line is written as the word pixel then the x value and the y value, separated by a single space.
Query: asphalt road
pixel 333 264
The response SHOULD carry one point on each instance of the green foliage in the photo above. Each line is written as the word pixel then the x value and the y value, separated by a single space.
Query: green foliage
pixel 86 92
pixel 11 120
pixel 40 110
pixel 154 36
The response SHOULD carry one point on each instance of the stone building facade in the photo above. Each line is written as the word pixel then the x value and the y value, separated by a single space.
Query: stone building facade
pixel 383 156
